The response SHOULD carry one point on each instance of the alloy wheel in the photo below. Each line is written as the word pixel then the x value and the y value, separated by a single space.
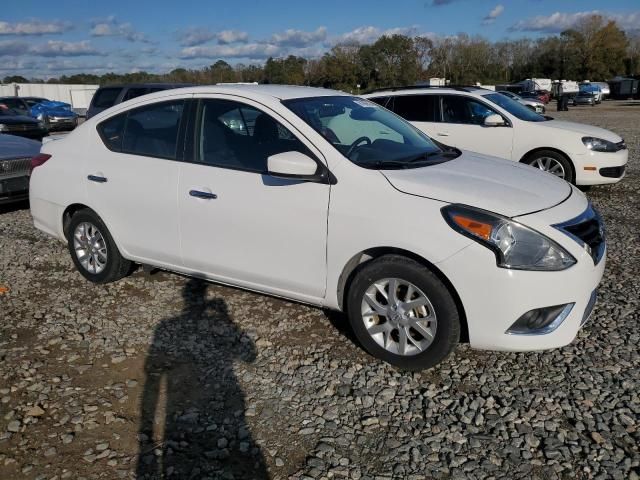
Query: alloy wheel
pixel 549 164
pixel 399 316
pixel 90 247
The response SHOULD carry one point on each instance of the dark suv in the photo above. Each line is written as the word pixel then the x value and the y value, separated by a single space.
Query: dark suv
pixel 108 96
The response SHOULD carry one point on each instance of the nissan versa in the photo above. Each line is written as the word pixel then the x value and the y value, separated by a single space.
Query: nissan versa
pixel 327 199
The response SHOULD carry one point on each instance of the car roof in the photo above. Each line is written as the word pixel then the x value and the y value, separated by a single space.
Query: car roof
pixel 280 92
pixel 422 89
pixel 147 85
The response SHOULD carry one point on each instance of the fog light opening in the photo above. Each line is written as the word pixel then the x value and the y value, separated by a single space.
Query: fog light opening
pixel 541 321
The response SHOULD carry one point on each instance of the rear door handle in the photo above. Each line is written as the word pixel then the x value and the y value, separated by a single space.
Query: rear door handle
pixel 201 194
pixel 97 178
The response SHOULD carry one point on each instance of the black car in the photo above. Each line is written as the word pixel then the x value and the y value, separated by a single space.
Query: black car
pixel 15 162
pixel 15 123
pixel 17 104
pixel 106 97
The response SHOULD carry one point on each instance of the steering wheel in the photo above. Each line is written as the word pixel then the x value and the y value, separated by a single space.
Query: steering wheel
pixel 355 144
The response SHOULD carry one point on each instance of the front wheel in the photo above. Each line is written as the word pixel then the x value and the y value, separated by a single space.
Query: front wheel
pixel 93 250
pixel 402 313
pixel 551 162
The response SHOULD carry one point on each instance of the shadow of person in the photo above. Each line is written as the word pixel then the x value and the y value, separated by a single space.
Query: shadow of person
pixel 192 409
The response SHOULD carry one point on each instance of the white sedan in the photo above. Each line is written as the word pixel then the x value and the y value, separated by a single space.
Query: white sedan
pixel 328 199
pixel 488 122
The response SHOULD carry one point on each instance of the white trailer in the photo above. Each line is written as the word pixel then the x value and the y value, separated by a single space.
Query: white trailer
pixel 533 84
pixel 78 96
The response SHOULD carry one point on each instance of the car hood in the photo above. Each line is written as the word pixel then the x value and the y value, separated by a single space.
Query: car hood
pixel 500 186
pixel 582 129
pixel 12 146
pixel 14 119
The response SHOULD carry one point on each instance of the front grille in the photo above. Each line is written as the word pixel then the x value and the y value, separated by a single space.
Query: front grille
pixel 612 172
pixel 19 127
pixel 588 230
pixel 14 167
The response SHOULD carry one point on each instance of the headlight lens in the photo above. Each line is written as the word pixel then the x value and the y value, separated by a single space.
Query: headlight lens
pixel 3 127
pixel 515 246
pixel 599 144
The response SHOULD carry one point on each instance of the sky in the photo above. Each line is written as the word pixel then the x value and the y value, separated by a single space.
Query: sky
pixel 45 39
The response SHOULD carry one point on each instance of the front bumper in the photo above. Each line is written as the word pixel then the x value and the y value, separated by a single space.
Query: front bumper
pixel 596 168
pixel 494 298
pixel 14 189
pixel 61 123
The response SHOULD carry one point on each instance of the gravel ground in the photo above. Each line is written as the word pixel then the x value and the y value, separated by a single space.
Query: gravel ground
pixel 162 375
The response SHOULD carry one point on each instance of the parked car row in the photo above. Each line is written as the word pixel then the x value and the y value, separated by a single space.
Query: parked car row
pixel 399 225
pixel 49 116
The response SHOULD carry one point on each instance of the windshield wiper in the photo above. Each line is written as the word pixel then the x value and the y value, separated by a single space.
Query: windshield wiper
pixel 425 156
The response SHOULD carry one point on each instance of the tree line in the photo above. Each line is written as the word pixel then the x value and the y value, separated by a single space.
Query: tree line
pixel 595 48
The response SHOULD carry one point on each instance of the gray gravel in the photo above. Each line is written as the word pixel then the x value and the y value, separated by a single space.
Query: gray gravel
pixel 165 375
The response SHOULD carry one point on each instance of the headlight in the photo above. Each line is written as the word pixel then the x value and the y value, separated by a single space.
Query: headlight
pixel 599 144
pixel 515 246
pixel 40 116
pixel 3 127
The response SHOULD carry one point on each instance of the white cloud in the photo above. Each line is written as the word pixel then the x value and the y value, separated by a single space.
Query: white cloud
pixel 226 37
pixel 369 34
pixel 248 50
pixel 111 27
pixel 299 38
pixel 57 48
pixel 34 27
pixel 493 15
pixel 192 37
pixel 558 21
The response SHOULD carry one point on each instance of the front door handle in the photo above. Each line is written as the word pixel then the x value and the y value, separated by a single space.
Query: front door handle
pixel 97 178
pixel 201 194
pixel 442 134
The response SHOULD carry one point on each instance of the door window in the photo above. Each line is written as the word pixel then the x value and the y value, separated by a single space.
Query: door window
pixel 465 110
pixel 106 97
pixel 237 136
pixel 417 108
pixel 152 130
pixel 135 92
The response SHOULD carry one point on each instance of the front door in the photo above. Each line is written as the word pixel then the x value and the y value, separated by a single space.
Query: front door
pixel 237 223
pixel 462 126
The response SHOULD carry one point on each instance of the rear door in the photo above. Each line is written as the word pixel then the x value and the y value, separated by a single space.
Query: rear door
pixel 133 177
pixel 462 126
pixel 422 110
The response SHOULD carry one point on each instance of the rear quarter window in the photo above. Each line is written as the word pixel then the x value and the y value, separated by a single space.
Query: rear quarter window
pixel 111 131
pixel 106 97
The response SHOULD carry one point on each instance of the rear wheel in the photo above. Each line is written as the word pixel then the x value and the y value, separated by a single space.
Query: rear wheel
pixel 552 162
pixel 93 250
pixel 402 313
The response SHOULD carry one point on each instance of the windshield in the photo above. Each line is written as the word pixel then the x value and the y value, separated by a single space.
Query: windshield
pixel 367 134
pixel 514 108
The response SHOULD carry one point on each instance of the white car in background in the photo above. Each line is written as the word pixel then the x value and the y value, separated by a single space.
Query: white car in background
pixel 490 123
pixel 328 199
pixel 534 105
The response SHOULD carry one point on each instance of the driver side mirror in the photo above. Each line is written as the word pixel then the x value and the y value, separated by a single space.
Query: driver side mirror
pixel 296 165
pixel 494 120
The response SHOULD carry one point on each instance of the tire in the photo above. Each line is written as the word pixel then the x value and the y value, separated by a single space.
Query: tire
pixel 105 260
pixel 544 155
pixel 444 326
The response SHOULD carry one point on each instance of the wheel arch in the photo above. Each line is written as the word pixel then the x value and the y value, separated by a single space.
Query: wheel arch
pixel 365 256
pixel 550 149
